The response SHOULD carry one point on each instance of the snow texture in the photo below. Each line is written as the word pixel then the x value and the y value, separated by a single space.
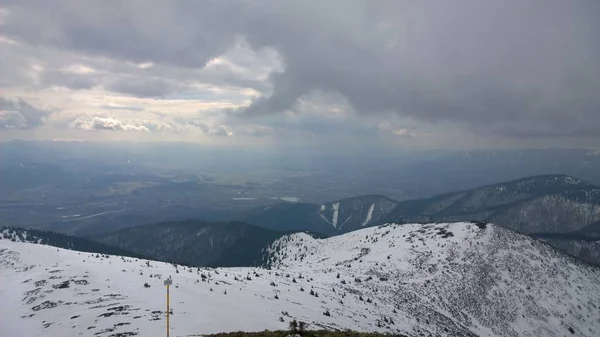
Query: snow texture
pixel 460 279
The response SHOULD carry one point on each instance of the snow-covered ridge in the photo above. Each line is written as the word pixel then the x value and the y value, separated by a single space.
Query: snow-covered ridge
pixel 460 279
pixel 485 279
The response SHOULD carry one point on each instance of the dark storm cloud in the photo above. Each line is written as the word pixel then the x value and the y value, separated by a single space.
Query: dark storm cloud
pixel 18 114
pixel 513 68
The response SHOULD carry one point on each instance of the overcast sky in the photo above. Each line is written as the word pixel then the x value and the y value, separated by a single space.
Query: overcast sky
pixel 376 74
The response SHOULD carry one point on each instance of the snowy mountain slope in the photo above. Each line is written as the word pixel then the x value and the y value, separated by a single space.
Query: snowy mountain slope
pixel 354 213
pixel 458 279
pixel 505 196
pixel 53 292
pixel 331 218
pixel 471 278
pixel 540 204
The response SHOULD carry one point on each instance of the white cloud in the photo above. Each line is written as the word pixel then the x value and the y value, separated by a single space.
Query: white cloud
pixel 145 65
pixel 221 130
pixel 388 127
pixel 79 69
pixel 114 124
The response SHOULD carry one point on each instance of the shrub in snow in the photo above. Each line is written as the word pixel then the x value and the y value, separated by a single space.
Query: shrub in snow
pixel 146 285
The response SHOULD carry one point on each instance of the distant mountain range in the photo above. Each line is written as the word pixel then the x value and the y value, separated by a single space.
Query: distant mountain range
pixel 540 204
pixel 61 241
pixel 196 243
pixel 331 218
pixel 561 209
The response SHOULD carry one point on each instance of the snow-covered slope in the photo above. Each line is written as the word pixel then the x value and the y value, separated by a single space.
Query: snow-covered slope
pixel 354 213
pixel 458 279
pixel 48 291
pixel 454 279
pixel 331 218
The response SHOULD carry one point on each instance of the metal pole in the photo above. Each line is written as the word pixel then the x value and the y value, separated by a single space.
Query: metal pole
pixel 167 310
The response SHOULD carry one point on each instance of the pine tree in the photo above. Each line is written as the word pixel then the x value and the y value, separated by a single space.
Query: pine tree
pixel 302 326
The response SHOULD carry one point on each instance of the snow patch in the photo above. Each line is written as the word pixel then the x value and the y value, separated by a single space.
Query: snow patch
pixel 369 215
pixel 336 211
